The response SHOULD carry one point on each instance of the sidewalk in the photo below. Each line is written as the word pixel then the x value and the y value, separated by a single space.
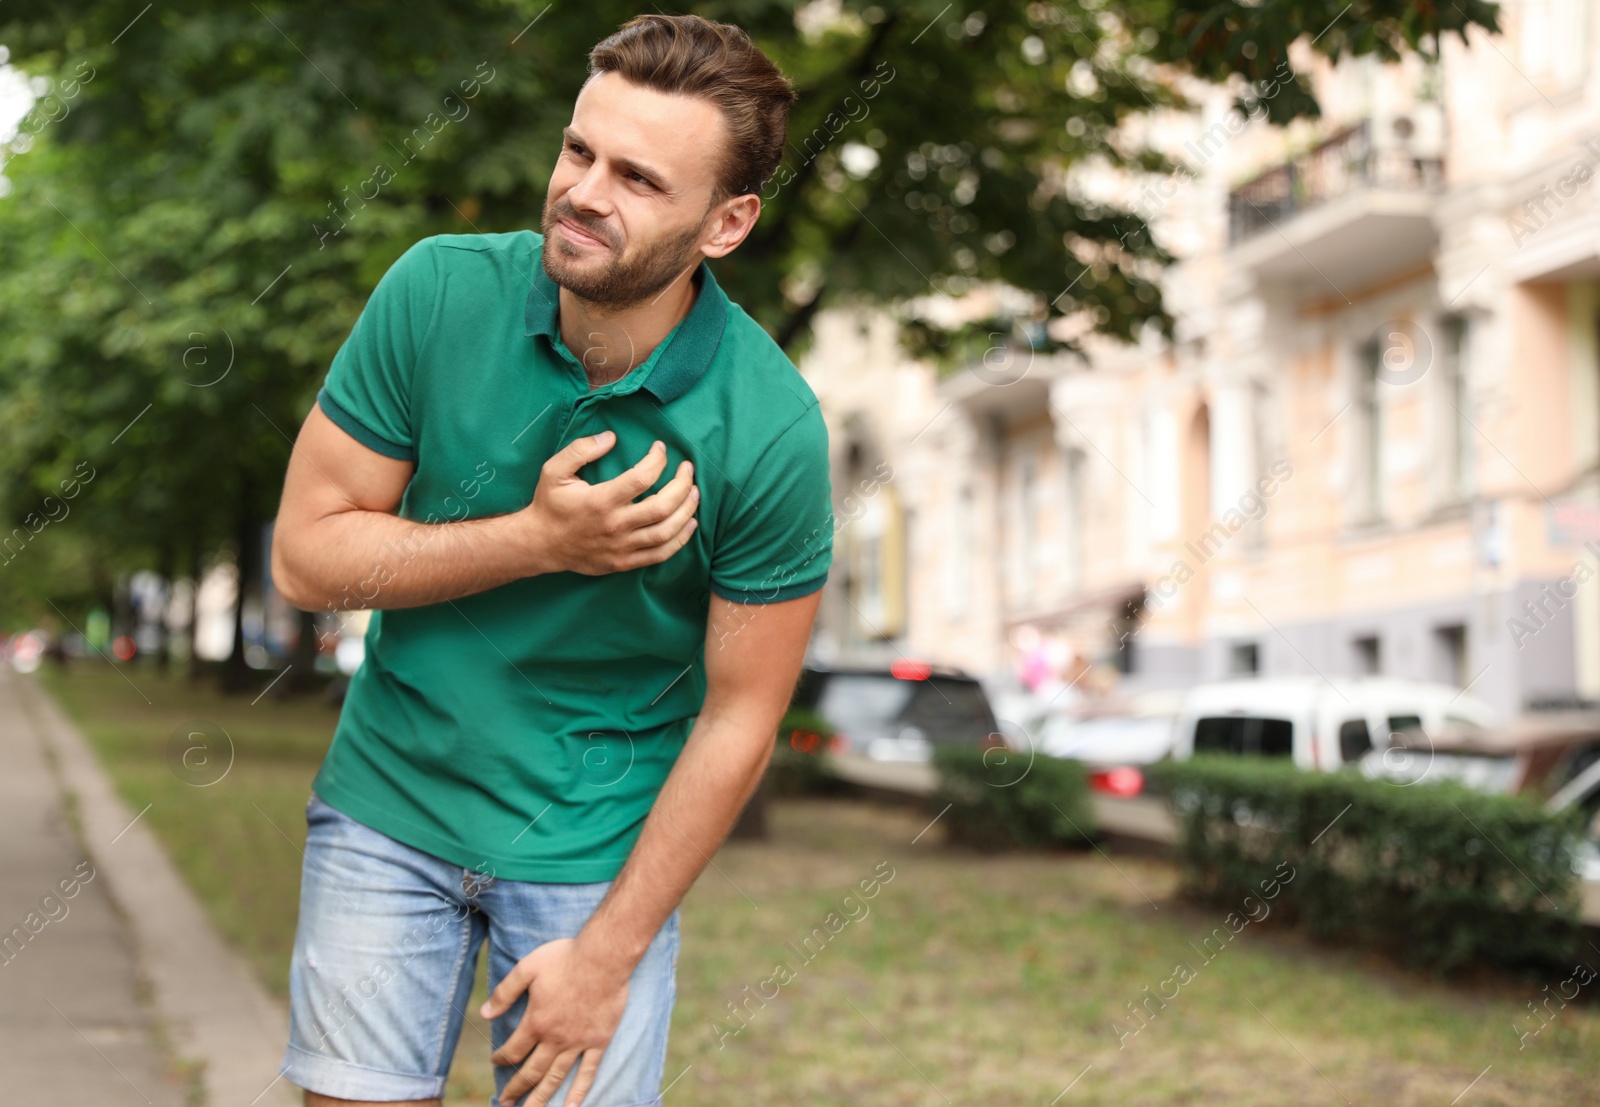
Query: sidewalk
pixel 102 944
pixel 67 992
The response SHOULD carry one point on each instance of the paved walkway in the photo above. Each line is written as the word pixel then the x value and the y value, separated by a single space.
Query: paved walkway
pixel 72 1029
pixel 75 1024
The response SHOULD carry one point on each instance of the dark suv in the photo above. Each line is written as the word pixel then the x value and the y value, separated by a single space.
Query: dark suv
pixel 897 713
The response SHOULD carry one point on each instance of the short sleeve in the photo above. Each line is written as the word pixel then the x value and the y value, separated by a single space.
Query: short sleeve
pixel 778 544
pixel 368 389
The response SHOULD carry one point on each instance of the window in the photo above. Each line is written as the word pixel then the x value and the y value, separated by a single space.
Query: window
pixel 1076 516
pixel 1455 433
pixel 1027 532
pixel 958 553
pixel 1125 627
pixel 1354 739
pixel 1399 724
pixel 1242 734
pixel 1244 659
pixel 1570 765
pixel 1450 649
pixel 1368 437
pixel 877 574
pixel 1261 454
pixel 1552 39
pixel 1368 656
pixel 868 705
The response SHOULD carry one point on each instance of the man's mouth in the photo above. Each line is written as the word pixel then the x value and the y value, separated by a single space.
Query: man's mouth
pixel 578 235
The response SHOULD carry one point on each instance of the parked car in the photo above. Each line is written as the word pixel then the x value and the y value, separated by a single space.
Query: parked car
pixel 1115 741
pixel 1537 754
pixel 1320 724
pixel 1554 759
pixel 897 712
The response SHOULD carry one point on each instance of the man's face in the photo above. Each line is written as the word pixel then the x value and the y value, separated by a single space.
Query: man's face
pixel 630 196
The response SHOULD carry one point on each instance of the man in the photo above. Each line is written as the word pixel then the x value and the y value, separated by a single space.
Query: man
pixel 577 661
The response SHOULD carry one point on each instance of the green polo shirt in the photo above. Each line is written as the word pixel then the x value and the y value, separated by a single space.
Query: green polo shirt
pixel 525 731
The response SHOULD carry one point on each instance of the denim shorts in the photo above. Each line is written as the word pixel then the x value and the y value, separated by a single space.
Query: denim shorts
pixel 385 957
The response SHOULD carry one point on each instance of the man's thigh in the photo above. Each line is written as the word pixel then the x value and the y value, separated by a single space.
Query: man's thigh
pixel 523 916
pixel 383 964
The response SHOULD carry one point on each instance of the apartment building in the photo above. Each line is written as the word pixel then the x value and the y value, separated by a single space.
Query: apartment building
pixel 1373 447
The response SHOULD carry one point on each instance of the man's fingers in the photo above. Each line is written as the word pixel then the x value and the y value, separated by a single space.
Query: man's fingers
pixel 626 485
pixel 659 533
pixel 514 1049
pixel 551 1084
pixel 507 991
pixel 585 1078
pixel 566 461
pixel 654 508
pixel 533 1072
pixel 656 554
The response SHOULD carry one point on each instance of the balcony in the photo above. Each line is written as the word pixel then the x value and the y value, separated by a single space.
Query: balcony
pixel 1352 210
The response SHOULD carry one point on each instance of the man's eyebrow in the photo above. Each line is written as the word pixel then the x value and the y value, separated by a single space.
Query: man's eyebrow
pixel 569 135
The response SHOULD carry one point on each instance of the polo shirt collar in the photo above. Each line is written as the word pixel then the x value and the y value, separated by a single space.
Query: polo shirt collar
pixel 690 346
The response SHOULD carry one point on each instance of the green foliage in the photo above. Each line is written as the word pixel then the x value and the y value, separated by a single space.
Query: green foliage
pixel 201 205
pixel 799 764
pixel 1219 41
pixel 1005 799
pixel 1435 873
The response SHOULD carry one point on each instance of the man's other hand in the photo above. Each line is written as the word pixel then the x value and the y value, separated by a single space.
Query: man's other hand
pixel 574 1006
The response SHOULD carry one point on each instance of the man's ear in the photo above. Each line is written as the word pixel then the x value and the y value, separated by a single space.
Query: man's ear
pixel 735 219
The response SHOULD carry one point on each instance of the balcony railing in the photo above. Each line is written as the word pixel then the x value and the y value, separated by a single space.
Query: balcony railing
pixel 1347 161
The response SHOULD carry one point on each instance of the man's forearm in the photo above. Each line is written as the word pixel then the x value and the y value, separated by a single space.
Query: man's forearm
pixel 371 559
pixel 718 770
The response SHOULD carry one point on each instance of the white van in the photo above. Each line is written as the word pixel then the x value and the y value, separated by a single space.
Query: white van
pixel 1321 724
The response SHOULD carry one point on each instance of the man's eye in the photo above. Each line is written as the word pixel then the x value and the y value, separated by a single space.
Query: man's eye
pixel 642 180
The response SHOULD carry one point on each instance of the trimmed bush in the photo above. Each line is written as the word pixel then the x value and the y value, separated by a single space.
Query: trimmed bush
pixel 798 766
pixel 1008 799
pixel 1436 873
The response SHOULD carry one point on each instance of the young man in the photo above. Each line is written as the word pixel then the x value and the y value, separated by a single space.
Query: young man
pixel 578 659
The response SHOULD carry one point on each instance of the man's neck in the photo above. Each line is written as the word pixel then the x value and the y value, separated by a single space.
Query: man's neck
pixel 609 345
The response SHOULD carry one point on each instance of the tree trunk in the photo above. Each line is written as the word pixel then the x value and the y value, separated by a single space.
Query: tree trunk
pixel 302 678
pixel 167 570
pixel 751 824
pixel 197 572
pixel 800 318
pixel 122 617
pixel 236 672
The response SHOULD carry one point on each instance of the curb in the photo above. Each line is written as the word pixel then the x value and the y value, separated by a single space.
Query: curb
pixel 213 1010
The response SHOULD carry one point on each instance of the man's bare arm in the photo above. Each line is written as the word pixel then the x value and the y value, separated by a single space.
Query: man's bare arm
pixel 338 543
pixel 753 658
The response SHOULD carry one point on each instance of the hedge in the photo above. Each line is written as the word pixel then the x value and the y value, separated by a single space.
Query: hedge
pixel 798 766
pixel 1005 799
pixel 1435 873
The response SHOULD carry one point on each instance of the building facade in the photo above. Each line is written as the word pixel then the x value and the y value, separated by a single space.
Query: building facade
pixel 1372 447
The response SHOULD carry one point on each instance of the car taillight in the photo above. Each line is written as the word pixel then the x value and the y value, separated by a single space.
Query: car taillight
pixel 907 668
pixel 1123 781
pixel 839 743
pixel 804 741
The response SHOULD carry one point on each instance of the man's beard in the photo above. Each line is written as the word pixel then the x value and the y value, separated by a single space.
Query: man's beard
pixel 618 285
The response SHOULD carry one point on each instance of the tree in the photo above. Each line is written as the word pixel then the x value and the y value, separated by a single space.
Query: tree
pixel 213 189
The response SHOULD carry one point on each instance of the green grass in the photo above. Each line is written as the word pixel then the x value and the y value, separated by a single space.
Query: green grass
pixel 973 979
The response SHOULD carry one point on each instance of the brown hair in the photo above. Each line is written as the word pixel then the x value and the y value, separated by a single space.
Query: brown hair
pixel 688 55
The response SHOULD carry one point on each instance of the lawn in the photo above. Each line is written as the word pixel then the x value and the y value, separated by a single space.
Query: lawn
pixel 1000 980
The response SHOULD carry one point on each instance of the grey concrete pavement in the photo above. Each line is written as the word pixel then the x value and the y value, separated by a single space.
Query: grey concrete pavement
pixel 134 921
pixel 72 1029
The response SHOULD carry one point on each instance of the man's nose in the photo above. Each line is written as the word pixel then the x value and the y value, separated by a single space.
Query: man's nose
pixel 589 193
